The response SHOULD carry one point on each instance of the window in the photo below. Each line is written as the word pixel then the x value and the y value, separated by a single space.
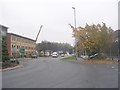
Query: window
pixel 12 46
pixel 17 47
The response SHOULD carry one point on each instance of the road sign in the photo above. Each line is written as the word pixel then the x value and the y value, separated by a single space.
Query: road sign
pixel 22 50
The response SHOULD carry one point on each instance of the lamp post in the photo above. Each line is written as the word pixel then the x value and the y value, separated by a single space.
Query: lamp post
pixel 0 44
pixel 74 16
pixel 75 29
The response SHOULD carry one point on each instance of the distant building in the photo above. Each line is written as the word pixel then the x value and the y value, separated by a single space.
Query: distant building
pixel 117 35
pixel 3 30
pixel 3 33
pixel 20 45
pixel 115 46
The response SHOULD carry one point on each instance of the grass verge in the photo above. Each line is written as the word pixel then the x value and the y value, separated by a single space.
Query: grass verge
pixel 92 61
pixel 104 61
pixel 69 58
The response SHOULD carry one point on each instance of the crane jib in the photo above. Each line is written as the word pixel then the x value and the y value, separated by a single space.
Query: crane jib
pixel 38 33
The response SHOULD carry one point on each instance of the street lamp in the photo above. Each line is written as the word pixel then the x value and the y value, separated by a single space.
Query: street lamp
pixel 75 29
pixel 74 16
pixel 0 44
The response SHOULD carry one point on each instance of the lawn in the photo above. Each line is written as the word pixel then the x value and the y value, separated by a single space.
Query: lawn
pixel 70 58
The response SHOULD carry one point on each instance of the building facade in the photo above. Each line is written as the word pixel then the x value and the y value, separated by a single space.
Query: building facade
pixel 21 46
pixel 3 30
pixel 117 43
pixel 3 33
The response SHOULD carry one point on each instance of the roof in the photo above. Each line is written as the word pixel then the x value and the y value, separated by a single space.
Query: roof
pixel 21 36
pixel 117 33
pixel 4 26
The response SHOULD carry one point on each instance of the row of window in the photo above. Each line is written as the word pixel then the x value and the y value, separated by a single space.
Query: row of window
pixel 25 47
pixel 23 44
pixel 19 55
pixel 25 53
pixel 22 40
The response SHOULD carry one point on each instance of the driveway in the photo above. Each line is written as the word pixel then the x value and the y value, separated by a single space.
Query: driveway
pixel 54 73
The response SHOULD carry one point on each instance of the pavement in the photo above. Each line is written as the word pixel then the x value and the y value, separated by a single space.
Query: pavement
pixel 54 73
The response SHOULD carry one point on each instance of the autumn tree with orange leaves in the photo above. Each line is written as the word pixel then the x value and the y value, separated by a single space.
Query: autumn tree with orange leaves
pixel 93 38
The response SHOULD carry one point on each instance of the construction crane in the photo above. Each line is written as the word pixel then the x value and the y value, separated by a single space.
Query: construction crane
pixel 38 33
pixel 35 55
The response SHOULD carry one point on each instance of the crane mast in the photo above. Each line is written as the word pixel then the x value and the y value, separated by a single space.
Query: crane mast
pixel 38 33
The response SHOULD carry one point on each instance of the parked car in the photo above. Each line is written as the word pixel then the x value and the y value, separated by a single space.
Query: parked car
pixel 47 54
pixel 62 55
pixel 84 56
pixel 54 54
pixel 92 56
pixel 34 56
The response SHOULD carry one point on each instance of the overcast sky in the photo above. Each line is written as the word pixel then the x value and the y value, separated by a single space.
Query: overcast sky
pixel 24 17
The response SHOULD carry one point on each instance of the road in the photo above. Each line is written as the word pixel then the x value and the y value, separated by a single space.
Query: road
pixel 54 73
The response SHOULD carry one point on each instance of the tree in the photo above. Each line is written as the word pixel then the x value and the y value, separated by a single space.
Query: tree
pixel 94 38
pixel 5 56
pixel 53 46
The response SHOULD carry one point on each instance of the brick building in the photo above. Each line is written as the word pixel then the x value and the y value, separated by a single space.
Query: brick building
pixel 20 45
